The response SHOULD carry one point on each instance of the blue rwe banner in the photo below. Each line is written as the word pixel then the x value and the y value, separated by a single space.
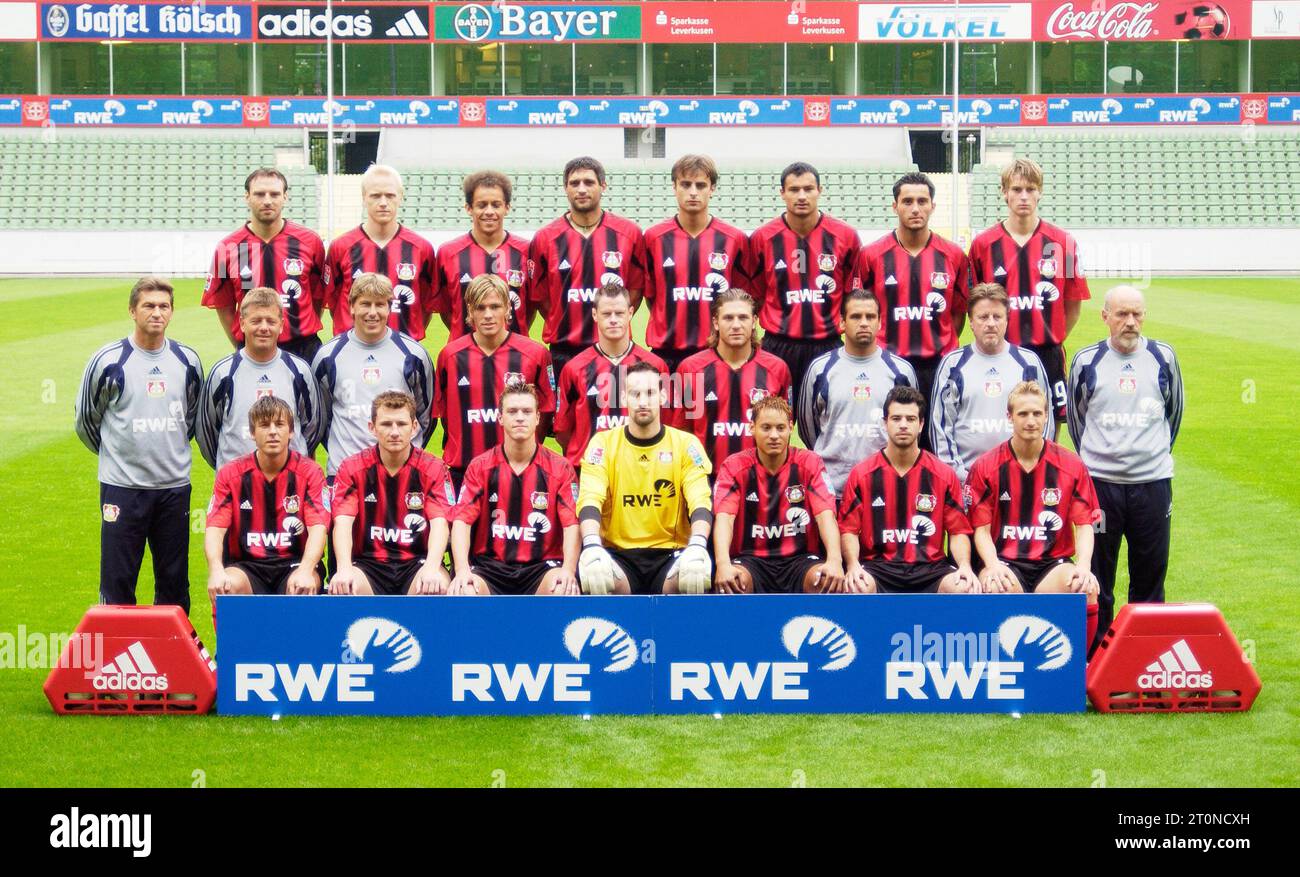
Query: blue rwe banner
pixel 640 655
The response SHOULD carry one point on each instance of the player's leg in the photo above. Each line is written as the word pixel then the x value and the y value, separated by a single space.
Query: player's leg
pixel 122 535
pixel 988 587
pixel 1147 531
pixel 404 574
pixel 481 587
pixel 240 583
pixel 1053 358
pixel 1108 534
pixel 169 543
pixel 625 569
pixel 745 577
pixel 546 585
pixel 1056 580
pixel 361 585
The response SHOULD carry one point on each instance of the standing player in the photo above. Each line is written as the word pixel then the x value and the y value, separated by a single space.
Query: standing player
pixel 591 385
pixel 271 252
pixel 644 492
pixel 898 506
pixel 921 281
pixel 1038 264
pixel 1032 503
pixel 841 415
pixel 971 386
pixel 136 409
pixel 259 369
pixel 487 248
pixel 690 258
pixel 267 519
pixel 577 254
pixel 802 267
pixel 473 369
pixel 765 505
pixel 383 245
pixel 717 386
pixel 514 529
pixel 391 503
pixel 1126 404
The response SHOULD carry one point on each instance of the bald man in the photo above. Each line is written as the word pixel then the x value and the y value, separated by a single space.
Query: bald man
pixel 1125 406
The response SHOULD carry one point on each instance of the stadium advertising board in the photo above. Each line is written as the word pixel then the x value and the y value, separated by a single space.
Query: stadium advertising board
pixel 764 22
pixel 166 112
pixel 935 22
pixel 537 23
pixel 1152 20
pixel 642 112
pixel 1213 109
pixel 370 23
pixel 1275 19
pixel 637 655
pixel 930 111
pixel 369 112
pixel 11 111
pixel 194 22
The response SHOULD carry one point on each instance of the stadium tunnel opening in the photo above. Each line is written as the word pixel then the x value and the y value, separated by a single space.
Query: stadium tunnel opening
pixel 932 149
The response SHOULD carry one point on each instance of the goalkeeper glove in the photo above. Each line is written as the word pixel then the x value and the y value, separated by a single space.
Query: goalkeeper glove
pixel 694 568
pixel 595 568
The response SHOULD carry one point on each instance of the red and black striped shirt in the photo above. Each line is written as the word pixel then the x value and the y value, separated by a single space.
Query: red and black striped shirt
pixel 267 519
pixel 799 281
pixel 903 518
pixel 713 399
pixel 292 263
pixel 407 262
pixel 462 259
pixel 467 388
pixel 518 517
pixel 1030 514
pixel 775 514
pixel 684 273
pixel 1039 277
pixel 920 296
pixel 591 396
pixel 566 270
pixel 392 512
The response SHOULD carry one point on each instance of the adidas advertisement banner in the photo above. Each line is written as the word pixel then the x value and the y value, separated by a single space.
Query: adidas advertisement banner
pixel 350 23
pixel 638 655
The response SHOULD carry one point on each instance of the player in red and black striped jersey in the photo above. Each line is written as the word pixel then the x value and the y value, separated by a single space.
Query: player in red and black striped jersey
pixel 273 252
pixel 922 282
pixel 577 254
pixel 473 369
pixel 267 520
pixel 382 245
pixel 487 248
pixel 391 503
pixel 714 389
pixel 1038 265
pixel 898 507
pixel 591 386
pixel 1033 504
pixel 515 525
pixel 774 528
pixel 690 258
pixel 802 263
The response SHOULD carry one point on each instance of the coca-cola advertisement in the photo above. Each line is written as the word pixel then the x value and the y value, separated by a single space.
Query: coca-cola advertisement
pixel 1126 20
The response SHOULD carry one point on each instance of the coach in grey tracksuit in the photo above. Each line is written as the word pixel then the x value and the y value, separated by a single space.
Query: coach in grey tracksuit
pixel 136 408
pixel 1125 406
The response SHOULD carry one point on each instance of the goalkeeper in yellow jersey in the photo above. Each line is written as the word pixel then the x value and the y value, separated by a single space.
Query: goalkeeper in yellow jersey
pixel 644 504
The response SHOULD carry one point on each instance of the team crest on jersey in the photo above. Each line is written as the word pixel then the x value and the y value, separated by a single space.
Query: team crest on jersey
pixel 1051 495
pixel 1047 268
pixel 611 259
pixel 514 378
pixel 515 278
pixel 406 271
pixel 156 388
pixel 757 393
pixel 718 261
pixel 861 390
pixel 415 500
pixel 925 502
pixel 1128 385
pixel 290 504
pixel 263 392
pixel 595 455
pixel 111 512
pixel 293 267
pixel 371 374
pixel 794 493
pixel 938 280
pixel 666 457
pixel 538 500
pixel 993 389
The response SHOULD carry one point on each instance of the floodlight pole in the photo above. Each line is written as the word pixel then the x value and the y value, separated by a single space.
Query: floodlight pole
pixel 329 118
pixel 956 115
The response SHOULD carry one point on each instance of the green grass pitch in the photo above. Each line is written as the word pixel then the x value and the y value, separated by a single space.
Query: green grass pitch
pixel 1237 496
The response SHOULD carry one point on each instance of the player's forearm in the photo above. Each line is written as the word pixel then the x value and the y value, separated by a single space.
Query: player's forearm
pixel 589 523
pixel 723 527
pixel 829 529
pixel 439 533
pixel 984 547
pixel 343 542
pixel 1072 309
pixel 572 548
pixel 850 546
pixel 460 533
pixel 959 545
pixel 226 316
pixel 315 547
pixel 701 524
pixel 213 538
pixel 1083 544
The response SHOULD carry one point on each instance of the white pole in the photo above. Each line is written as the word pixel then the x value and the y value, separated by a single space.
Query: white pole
pixel 329 118
pixel 956 115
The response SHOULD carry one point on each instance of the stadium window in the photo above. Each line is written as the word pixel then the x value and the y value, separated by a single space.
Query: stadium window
pixel 1211 65
pixel 750 68
pixel 387 68
pixel 18 68
pixel 472 69
pixel 539 68
pixel 1275 65
pixel 216 68
pixel 292 69
pixel 78 68
pixel 147 68
pixel 1139 67
pixel 608 69
pixel 995 68
pixel 680 69
pixel 1070 68
pixel 813 68
pixel 900 68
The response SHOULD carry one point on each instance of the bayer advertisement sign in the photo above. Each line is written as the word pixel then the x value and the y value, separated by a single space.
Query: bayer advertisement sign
pixel 640 655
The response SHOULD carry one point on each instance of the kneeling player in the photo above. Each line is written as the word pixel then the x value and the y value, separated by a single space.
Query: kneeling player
pixel 1032 503
pixel 391 503
pixel 517 508
pixel 765 500
pixel 898 506
pixel 266 523
pixel 645 489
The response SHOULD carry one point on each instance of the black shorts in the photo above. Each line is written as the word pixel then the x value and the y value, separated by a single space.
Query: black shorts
pixel 798 355
pixel 778 575
pixel 389 578
pixel 1053 357
pixel 511 578
pixel 266 576
pixel 646 568
pixel 896 577
pixel 1032 572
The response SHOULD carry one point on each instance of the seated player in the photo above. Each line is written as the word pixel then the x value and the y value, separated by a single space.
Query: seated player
pixel 644 492
pixel 391 503
pixel 267 521
pixel 764 505
pixel 514 529
pixel 1032 502
pixel 899 504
